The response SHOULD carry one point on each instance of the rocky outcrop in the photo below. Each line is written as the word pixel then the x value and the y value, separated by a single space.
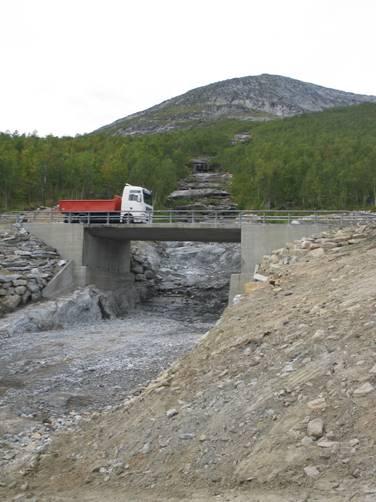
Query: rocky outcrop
pixel 26 266
pixel 82 306
pixel 203 192
pixel 260 97
pixel 197 275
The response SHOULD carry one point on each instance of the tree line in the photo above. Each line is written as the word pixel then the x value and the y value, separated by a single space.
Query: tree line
pixel 320 160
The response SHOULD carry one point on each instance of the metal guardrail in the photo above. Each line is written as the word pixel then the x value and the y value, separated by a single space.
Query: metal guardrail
pixel 216 217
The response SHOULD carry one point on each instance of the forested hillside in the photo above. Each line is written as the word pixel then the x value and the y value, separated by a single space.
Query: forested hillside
pixel 319 160
pixel 38 171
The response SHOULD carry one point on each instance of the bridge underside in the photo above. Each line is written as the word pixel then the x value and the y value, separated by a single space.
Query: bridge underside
pixel 166 232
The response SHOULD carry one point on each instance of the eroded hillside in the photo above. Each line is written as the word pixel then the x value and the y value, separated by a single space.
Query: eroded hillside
pixel 276 403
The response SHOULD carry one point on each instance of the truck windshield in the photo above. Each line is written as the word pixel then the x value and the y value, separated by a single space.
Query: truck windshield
pixel 148 198
pixel 135 195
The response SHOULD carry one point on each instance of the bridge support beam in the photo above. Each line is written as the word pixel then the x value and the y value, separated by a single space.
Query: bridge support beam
pixel 259 240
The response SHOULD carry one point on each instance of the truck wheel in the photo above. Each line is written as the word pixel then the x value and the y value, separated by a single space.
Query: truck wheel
pixel 128 218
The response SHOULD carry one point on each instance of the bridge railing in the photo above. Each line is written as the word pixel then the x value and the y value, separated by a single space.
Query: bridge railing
pixel 173 216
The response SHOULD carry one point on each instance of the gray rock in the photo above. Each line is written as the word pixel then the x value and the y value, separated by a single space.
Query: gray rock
pixel 11 302
pixel 8 278
pixel 119 468
pixel 20 282
pixel 145 449
pixel 147 254
pixel 317 404
pixel 82 306
pixel 317 252
pixel 149 275
pixel 36 296
pixel 171 413
pixel 197 193
pixel 187 435
pixel 307 441
pixel 33 287
pixel 315 428
pixel 20 290
pixel 311 471
pixel 137 268
pixel 325 443
pixel 364 389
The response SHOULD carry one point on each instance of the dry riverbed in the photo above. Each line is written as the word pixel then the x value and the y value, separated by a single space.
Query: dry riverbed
pixel 53 379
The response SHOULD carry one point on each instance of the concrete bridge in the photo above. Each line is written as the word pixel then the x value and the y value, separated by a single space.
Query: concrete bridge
pixel 100 254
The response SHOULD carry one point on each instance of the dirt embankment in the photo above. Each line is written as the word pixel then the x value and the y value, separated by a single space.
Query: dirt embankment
pixel 276 403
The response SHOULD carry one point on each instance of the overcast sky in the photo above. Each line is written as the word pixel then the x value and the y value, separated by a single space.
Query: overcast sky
pixel 71 66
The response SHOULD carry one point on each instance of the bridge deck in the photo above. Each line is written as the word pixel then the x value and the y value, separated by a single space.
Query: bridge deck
pixel 202 232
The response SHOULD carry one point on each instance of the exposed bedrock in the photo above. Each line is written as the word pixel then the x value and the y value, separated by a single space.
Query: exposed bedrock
pixel 198 274
pixel 83 306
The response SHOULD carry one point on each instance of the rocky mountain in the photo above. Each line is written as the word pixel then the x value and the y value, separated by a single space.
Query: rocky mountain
pixel 257 98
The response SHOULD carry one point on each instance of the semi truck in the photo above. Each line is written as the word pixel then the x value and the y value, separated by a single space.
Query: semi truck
pixel 134 206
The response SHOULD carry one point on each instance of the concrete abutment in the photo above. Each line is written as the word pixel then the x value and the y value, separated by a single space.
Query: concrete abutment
pixel 91 259
pixel 258 240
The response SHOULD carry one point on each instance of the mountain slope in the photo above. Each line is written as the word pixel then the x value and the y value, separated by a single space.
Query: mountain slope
pixel 261 97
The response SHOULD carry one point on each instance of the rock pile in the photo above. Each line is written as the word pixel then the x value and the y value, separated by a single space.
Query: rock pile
pixel 337 241
pixel 26 266
pixel 145 264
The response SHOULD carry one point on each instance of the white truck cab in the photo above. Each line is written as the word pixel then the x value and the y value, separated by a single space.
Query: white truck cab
pixel 136 205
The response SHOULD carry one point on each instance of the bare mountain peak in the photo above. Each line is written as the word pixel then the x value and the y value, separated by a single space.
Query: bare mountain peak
pixel 258 97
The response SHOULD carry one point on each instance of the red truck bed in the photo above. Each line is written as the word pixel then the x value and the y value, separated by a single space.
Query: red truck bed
pixel 90 206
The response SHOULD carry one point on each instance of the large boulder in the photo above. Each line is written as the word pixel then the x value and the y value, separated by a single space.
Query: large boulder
pixel 83 306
